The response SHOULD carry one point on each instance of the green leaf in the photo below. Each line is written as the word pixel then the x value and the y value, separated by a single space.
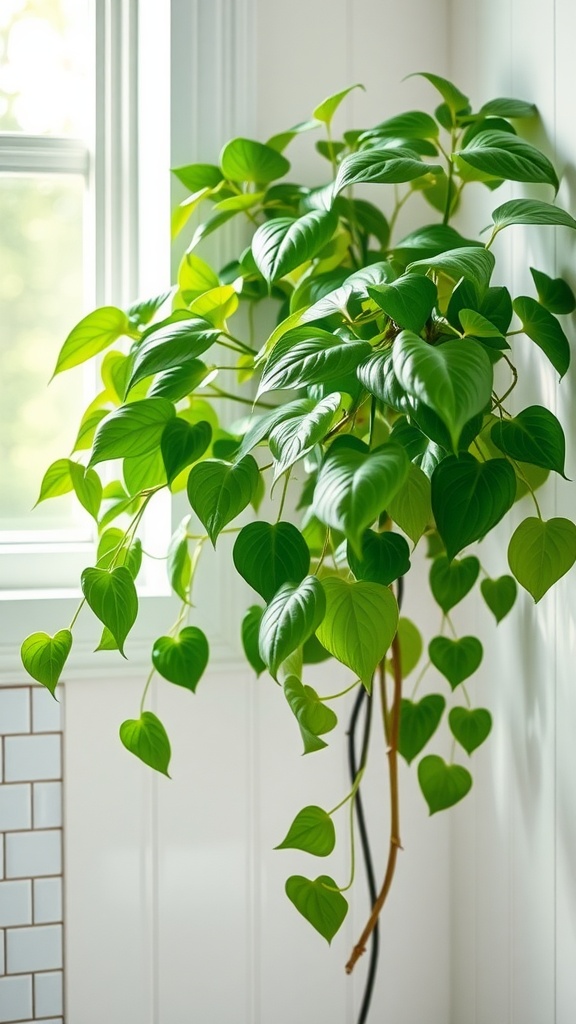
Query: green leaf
pixel 182 659
pixel 413 124
pixel 411 645
pixel 418 723
pixel 424 453
pixel 472 263
pixel 469 498
pixel 44 656
pixel 218 491
pixel 246 160
pixel 292 616
pixel 146 738
pixel 359 626
pixel 195 277
pixel 282 244
pixel 411 508
pixel 249 633
pixel 295 436
pixel 143 471
pixel 470 727
pixel 94 333
pixel 503 155
pixel 505 107
pixel 530 211
pixel 87 487
pixel 499 595
pixel 172 344
pixel 314 717
pixel 282 139
pixel 453 379
pixel 141 313
pixel 455 659
pixel 555 294
pixel 443 785
pixel 179 565
pixel 113 599
pixel 182 443
pixel 353 487
pixel 312 831
pixel 197 176
pixel 308 355
pixel 325 111
pixel 541 552
pixel 477 326
pixel 379 166
pixel 263 424
pixel 376 374
pixel 429 241
pixel 268 555
pixel 385 557
pixel 324 908
pixel 408 300
pixel 455 100
pixel 133 429
pixel 88 424
pixel 451 581
pixel 543 328
pixel 57 480
pixel 534 436
pixel 180 381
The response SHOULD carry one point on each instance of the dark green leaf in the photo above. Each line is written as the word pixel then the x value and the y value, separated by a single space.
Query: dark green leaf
pixel 267 555
pixel 543 328
pixel 423 452
pixel 499 595
pixel 308 355
pixel 408 300
pixel 503 155
pixel 530 211
pixel 174 344
pixel 429 241
pixel 555 294
pixel 94 333
pixel 451 581
pixel 455 659
pixel 133 429
pixel 146 738
pixel 385 557
pixel 141 313
pixel 295 436
pixel 182 659
pixel 535 436
pixel 282 244
pixel 411 508
pixel 179 381
pixel 218 491
pixel 44 656
pixel 442 785
pixel 470 727
pixel 250 630
pixel 413 124
pixel 324 908
pixel 469 498
pixel 505 107
pixel 246 160
pixel 472 263
pixel 418 723
pixel 182 443
pixel 359 626
pixel 376 374
pixel 113 599
pixel 477 326
pixel 540 553
pixel 455 100
pixel 381 165
pixel 312 830
pixel 293 614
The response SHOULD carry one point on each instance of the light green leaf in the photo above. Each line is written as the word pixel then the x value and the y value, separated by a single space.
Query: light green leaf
pixel 469 498
pixel 477 326
pixel 141 312
pixel 453 379
pixel 325 111
pixel 249 632
pixel 543 328
pixel 541 552
pixel 385 557
pixel 411 646
pixel 534 436
pixel 216 305
pixel 379 166
pixel 246 160
pixel 44 656
pixel 282 244
pixel 499 595
pixel 218 491
pixel 507 156
pixel 314 717
pixel 418 723
pixel 530 211
pixel 312 831
pixel 87 487
pixel 88 425
pixel 292 616
pixel 468 262
pixel 195 277
pixel 319 902
pixel 179 565
pixel 359 626
pixel 57 480
pixel 113 599
pixel 455 659
pixel 172 344
pixel 455 100
pixel 442 785
pixel 180 381
pixel 133 429
pixel 94 333
pixel 182 659
pixel 268 555
pixel 411 508
pixel 451 581
pixel 470 726
pixel 354 486
pixel 308 355
pixel 555 294
pixel 197 176
pixel 146 738
pixel 143 471
pixel 295 436
pixel 182 444
pixel 282 139
pixel 408 300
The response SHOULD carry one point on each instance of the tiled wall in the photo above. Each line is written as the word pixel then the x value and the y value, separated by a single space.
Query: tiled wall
pixel 30 856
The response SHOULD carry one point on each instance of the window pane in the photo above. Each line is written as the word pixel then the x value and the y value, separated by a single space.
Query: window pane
pixel 43 58
pixel 41 288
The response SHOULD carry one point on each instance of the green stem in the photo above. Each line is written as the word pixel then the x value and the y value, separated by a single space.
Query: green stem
pixel 145 691
pixel 283 498
pixel 352 792
pixel 419 679
pixel 219 393
pixel 335 696
pixel 77 613
pixel 242 344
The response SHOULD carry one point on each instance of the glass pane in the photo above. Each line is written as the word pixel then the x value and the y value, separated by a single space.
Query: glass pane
pixel 43 59
pixel 41 286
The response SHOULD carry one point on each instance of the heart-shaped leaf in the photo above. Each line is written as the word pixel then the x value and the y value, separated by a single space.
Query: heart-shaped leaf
pixel 540 553
pixel 267 555
pixel 87 487
pixel 418 723
pixel 284 243
pixel 293 614
pixel 469 498
pixel 146 738
pixel 250 631
pixel 313 716
pixel 535 436
pixel 218 491
pixel 451 581
pixel 113 599
pixel 319 902
pixel 411 508
pixel 408 301
pixel 543 328
pixel 503 155
pixel 183 443
pixel 182 659
pixel 470 727
pixel 499 595
pixel 359 625
pixel 555 294
pixel 312 830
pixel 455 659
pixel 453 379
pixel 442 785
pixel 93 334
pixel 248 160
pixel 385 557
pixel 133 429
pixel 44 656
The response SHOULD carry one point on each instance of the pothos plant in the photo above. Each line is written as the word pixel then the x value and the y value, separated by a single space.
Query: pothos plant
pixel 382 394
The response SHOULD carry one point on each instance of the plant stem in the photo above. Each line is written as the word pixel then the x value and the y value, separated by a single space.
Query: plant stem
pixel 218 393
pixel 334 696
pixel 395 843
pixel 351 794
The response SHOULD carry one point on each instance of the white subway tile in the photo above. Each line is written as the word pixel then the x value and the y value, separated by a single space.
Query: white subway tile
pixel 27 758
pixel 33 853
pixel 47 804
pixel 14 710
pixel 47 900
pixel 15 998
pixel 15 903
pixel 47 993
pixel 46 711
pixel 2 961
pixel 34 949
pixel 14 808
